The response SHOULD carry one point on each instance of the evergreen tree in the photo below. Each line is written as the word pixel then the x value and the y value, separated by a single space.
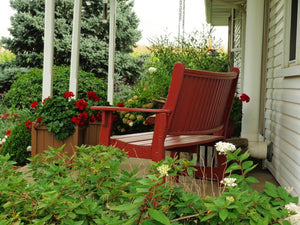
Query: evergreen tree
pixel 28 30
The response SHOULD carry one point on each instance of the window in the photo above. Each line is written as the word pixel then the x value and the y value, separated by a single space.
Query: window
pixel 293 30
pixel 291 43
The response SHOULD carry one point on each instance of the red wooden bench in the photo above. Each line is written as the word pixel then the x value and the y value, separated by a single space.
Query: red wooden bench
pixel 196 113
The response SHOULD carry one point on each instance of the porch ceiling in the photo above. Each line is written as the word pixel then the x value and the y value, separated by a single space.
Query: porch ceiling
pixel 218 11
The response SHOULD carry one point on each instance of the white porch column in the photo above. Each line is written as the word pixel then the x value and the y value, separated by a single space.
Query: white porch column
pixel 252 75
pixel 111 56
pixel 73 84
pixel 48 49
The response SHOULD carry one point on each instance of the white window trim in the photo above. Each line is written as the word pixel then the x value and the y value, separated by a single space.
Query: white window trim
pixel 290 68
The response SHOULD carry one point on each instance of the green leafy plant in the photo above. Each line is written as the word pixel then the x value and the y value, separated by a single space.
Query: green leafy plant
pixel 93 190
pixel 27 88
pixel 16 144
pixel 133 122
pixel 60 114
pixel 6 55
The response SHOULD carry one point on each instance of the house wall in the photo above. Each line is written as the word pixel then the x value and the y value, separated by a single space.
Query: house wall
pixel 282 106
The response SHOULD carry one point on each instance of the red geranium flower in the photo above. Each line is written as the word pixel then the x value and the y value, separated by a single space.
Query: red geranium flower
pixel 34 105
pixel 68 94
pixel 244 97
pixel 98 117
pixel 96 98
pixel 92 118
pixel 75 120
pixel 115 118
pixel 39 119
pixel 80 119
pixel 121 104
pixel 28 124
pixel 45 100
pixel 81 104
pixel 91 94
pixel 8 132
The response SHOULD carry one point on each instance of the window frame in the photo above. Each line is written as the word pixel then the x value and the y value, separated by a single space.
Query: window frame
pixel 287 39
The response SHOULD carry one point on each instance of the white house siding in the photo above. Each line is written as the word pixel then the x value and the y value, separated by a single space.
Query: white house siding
pixel 282 109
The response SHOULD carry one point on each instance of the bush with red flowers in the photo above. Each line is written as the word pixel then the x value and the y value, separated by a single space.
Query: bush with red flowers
pixel 62 113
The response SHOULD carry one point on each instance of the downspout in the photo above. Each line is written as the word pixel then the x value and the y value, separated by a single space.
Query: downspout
pixel 252 77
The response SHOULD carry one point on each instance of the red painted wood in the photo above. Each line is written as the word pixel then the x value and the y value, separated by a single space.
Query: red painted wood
pixel 195 113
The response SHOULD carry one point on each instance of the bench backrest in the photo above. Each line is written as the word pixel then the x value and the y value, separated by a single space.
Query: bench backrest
pixel 200 101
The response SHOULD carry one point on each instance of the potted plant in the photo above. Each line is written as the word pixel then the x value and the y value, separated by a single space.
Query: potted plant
pixel 235 117
pixel 63 120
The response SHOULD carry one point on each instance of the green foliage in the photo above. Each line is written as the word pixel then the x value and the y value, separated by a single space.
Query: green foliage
pixel 133 122
pixel 10 117
pixel 8 71
pixel 93 190
pixel 27 88
pixel 16 144
pixel 193 52
pixel 27 33
pixel 6 56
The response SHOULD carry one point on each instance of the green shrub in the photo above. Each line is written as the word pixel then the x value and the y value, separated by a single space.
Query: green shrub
pixel 93 190
pixel 8 72
pixel 16 144
pixel 9 118
pixel 27 88
pixel 129 67
pixel 6 55
pixel 193 52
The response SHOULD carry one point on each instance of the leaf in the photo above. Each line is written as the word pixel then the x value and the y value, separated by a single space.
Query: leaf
pixel 252 180
pixel 244 156
pixel 247 164
pixel 158 216
pixel 233 166
pixel 285 222
pixel 190 171
pixel 250 169
pixel 271 190
pixel 223 214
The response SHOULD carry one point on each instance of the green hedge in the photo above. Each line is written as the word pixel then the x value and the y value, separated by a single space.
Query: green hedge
pixel 27 88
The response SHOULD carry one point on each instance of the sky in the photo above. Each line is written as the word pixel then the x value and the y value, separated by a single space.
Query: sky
pixel 157 17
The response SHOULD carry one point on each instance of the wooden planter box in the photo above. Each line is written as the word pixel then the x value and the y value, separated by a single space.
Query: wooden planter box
pixel 41 140
pixel 91 134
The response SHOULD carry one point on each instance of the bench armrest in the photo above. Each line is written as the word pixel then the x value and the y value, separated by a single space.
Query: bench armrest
pixel 111 108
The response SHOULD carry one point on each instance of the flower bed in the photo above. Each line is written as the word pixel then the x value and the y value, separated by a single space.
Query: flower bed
pixel 93 190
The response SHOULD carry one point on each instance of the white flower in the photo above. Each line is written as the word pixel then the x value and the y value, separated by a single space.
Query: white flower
pixel 230 198
pixel 292 208
pixel 2 141
pixel 131 124
pixel 228 181
pixel 289 189
pixel 28 149
pixel 163 170
pixel 152 70
pixel 224 147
